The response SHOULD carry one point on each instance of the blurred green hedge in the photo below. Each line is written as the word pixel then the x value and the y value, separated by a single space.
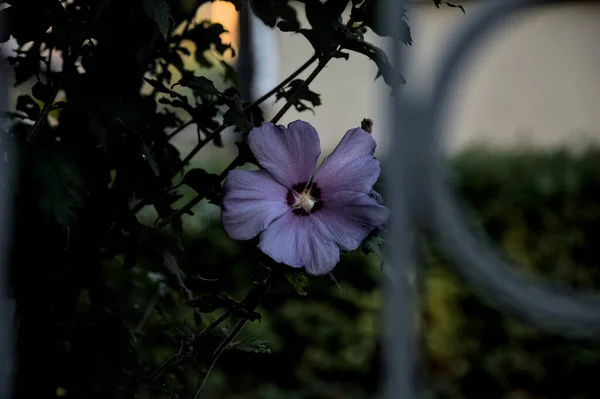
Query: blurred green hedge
pixel 542 207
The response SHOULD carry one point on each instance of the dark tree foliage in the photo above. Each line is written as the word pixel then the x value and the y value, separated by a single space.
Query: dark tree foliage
pixel 107 305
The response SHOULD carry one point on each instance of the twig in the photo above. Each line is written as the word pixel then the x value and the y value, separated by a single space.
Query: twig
pixel 196 200
pixel 139 206
pixel 165 66
pixel 299 90
pixel 160 370
pixel 217 354
pixel 256 297
pixel 287 80
pixel 261 99
pixel 43 117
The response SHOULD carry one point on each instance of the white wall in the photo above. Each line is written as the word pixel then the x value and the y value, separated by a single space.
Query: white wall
pixel 536 80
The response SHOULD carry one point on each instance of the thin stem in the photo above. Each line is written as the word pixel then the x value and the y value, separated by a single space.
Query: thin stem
pixel 261 99
pixel 217 354
pixel 287 80
pixel 196 200
pixel 165 65
pixel 43 117
pixel 298 91
pixel 199 146
pixel 179 129
pixel 212 135
pixel 256 296
pixel 160 370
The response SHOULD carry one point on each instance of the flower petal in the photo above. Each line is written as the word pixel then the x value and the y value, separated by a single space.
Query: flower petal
pixel 289 154
pixel 301 241
pixel 351 166
pixel 350 217
pixel 253 199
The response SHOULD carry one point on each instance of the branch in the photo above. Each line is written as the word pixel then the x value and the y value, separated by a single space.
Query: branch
pixel 211 136
pixel 257 295
pixel 43 117
pixel 260 100
pixel 299 90
pixel 160 370
pixel 165 66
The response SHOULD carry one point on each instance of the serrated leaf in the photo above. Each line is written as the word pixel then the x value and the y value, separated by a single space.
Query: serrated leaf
pixel 199 85
pixel 324 15
pixel 41 91
pixel 302 98
pixel 370 18
pixel 372 245
pixel 148 155
pixel 245 154
pixel 159 86
pixel 171 264
pixel 378 56
pixel 61 186
pixel 208 304
pixel 252 345
pixel 298 280
pixel 269 11
pixel 160 12
pixel 237 117
pixel 206 184
pixel 197 319
pixel 438 2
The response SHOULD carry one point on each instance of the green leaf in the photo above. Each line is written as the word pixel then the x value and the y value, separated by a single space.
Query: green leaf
pixel 298 280
pixel 171 264
pixel 61 186
pixel 245 154
pixel 269 11
pixel 252 345
pixel 372 245
pixel 230 75
pixel 324 15
pixel 300 101
pixel 197 319
pixel 28 106
pixel 370 18
pixel 208 304
pixel 323 41
pixel 148 155
pixel 199 85
pixel 379 57
pixel 206 184
pixel 41 91
pixel 160 12
pixel 236 117
pixel 158 86
pixel 438 2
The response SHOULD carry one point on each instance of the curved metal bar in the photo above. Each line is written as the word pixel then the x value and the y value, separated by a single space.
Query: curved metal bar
pixel 549 306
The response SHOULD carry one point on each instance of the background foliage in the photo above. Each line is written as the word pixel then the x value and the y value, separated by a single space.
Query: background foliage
pixel 125 284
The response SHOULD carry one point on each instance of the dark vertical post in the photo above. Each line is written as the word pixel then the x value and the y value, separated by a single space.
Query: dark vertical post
pixel 401 343
pixel 6 325
pixel 246 60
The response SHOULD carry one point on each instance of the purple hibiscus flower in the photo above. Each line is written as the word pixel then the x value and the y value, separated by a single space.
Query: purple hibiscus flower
pixel 304 220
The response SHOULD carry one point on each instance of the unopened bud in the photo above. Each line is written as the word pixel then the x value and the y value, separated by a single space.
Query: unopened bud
pixel 367 125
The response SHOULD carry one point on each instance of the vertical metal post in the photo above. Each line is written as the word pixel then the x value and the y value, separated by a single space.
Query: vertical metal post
pixel 6 325
pixel 246 59
pixel 401 343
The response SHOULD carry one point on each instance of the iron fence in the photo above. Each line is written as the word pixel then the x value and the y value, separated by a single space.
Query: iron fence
pixel 423 199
